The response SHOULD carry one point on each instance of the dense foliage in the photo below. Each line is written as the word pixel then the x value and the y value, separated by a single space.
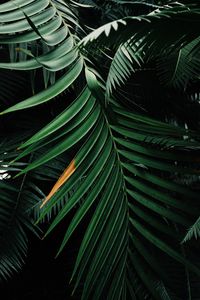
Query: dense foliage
pixel 104 136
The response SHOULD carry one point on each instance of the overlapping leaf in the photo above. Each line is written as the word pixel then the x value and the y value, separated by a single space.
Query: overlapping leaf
pixel 116 166
pixel 141 38
pixel 15 207
pixel 125 165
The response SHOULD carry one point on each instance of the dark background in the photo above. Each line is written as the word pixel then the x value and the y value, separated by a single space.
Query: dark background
pixel 44 276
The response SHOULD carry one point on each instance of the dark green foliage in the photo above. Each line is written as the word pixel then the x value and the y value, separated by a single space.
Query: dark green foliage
pixel 126 130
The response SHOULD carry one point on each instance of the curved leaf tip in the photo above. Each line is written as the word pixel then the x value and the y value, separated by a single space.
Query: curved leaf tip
pixel 62 179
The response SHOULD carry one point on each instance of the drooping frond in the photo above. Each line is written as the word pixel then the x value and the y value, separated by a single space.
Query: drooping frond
pixel 152 26
pixel 149 37
pixel 125 61
pixel 180 67
pixel 193 231
pixel 49 21
pixel 15 219
pixel 117 165
pixel 126 169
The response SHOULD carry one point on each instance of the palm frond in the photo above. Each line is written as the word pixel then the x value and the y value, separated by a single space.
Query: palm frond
pixel 118 31
pixel 180 67
pixel 15 218
pixel 117 154
pixel 193 231
pixel 125 61
pixel 124 172
pixel 146 38
pixel 51 23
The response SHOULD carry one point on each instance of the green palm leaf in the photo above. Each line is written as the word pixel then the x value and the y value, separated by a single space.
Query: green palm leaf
pixel 96 176
pixel 124 163
pixel 44 96
pixel 193 231
pixel 146 37
pixel 180 67
pixel 15 217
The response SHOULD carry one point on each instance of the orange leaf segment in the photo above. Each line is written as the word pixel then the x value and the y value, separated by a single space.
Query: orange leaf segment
pixel 62 179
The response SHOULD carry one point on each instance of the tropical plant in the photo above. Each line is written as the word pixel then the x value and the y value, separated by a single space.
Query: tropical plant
pixel 124 129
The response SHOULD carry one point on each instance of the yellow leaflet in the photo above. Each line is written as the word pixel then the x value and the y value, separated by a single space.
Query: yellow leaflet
pixel 62 179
